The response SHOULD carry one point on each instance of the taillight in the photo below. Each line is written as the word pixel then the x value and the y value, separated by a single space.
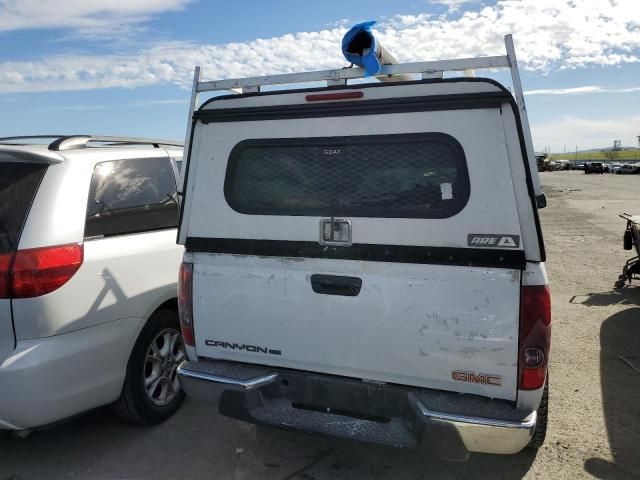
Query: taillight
pixel 38 271
pixel 535 336
pixel 5 266
pixel 185 302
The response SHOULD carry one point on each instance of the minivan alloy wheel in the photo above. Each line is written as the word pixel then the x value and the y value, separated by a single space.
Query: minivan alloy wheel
pixel 164 355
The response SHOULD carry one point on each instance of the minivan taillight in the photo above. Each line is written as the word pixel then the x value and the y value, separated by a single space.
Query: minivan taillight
pixel 38 271
pixel 185 302
pixel 5 265
pixel 535 336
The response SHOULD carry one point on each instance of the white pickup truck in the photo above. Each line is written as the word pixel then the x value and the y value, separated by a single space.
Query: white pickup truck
pixel 365 260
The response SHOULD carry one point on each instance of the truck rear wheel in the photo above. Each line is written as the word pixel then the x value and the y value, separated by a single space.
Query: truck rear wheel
pixel 540 431
pixel 151 392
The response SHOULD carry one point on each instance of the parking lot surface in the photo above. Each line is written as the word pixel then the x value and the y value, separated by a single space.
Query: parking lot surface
pixel 594 428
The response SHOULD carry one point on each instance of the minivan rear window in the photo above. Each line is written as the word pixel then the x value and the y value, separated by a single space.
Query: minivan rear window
pixel 390 176
pixel 18 184
pixel 131 196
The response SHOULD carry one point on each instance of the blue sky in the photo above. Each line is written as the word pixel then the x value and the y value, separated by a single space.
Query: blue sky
pixel 124 68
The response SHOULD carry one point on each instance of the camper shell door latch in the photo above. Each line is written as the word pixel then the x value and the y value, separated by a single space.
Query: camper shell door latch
pixel 335 232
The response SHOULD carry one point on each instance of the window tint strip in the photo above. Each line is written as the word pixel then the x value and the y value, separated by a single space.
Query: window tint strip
pixel 420 175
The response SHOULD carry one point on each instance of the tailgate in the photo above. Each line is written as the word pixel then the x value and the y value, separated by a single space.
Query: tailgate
pixel 19 182
pixel 409 324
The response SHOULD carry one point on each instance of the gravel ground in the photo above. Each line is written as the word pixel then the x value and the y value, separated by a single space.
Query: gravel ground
pixel 595 396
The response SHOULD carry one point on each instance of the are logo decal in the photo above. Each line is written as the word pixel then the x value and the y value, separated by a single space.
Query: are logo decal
pixel 479 378
pixel 493 240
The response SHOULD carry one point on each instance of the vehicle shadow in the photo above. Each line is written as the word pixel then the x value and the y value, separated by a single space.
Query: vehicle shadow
pixel 220 447
pixel 345 459
pixel 620 383
pixel 629 295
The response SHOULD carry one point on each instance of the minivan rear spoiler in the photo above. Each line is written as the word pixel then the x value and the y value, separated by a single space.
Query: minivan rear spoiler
pixel 17 154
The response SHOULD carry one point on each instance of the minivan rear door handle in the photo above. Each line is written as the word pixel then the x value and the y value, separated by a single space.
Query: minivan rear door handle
pixel 336 285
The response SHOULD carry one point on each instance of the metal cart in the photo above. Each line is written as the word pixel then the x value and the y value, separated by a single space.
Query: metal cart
pixel 631 268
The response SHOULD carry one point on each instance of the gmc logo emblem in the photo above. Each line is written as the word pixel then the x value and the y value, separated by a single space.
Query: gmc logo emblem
pixel 481 378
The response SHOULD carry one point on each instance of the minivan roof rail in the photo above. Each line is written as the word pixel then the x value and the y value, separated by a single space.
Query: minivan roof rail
pixel 431 69
pixel 74 142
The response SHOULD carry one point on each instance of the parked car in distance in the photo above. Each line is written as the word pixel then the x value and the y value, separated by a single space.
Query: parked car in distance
pixel 555 165
pixel 578 166
pixel 543 162
pixel 628 169
pixel 339 276
pixel 561 164
pixel 614 167
pixel 593 167
pixel 88 274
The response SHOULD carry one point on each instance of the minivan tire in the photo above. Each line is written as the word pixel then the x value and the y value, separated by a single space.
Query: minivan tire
pixel 540 432
pixel 134 405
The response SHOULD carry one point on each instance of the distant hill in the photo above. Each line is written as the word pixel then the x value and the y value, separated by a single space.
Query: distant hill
pixel 626 153
pixel 597 150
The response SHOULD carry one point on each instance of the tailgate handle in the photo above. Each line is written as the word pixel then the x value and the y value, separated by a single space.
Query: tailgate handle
pixel 336 285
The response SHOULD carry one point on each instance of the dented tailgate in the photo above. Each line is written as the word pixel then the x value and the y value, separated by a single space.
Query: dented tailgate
pixel 432 326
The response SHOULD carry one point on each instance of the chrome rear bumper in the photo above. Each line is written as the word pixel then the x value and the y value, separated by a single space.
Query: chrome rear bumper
pixel 443 424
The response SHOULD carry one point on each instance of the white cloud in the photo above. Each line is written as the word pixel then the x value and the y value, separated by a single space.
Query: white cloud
pixel 581 90
pixel 565 91
pixel 75 108
pixel 453 5
pixel 585 133
pixel 151 103
pixel 85 17
pixel 549 34
pixel 94 106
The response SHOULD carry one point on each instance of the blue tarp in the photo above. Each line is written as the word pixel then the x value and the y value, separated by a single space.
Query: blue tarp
pixel 369 62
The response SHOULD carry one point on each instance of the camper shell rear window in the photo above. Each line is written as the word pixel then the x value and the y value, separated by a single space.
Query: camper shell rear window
pixel 422 175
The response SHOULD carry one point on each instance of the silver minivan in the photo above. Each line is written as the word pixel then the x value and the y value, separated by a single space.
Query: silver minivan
pixel 88 271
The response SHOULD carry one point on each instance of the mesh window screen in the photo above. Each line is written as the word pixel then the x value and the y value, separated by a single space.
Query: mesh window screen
pixel 403 176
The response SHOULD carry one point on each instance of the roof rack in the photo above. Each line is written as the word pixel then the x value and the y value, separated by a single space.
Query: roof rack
pixel 340 76
pixel 19 138
pixel 74 142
